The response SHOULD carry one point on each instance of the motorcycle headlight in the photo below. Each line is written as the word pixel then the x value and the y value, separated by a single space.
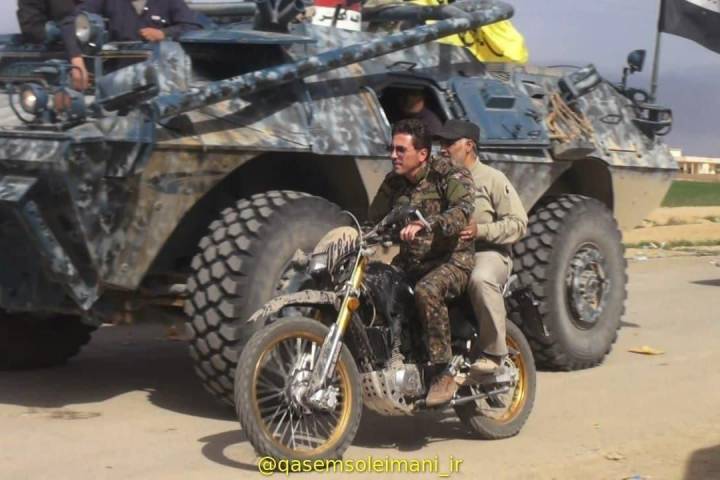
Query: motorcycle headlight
pixel 318 263
pixel 33 98
pixel 90 31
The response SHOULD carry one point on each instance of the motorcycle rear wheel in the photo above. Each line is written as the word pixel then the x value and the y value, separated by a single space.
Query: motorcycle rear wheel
pixel 492 423
pixel 275 357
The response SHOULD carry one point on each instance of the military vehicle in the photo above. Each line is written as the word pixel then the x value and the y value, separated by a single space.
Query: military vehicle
pixel 196 172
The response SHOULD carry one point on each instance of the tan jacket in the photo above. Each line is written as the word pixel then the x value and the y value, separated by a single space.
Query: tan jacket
pixel 499 214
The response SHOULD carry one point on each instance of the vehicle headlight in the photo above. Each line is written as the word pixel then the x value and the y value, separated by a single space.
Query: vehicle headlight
pixel 82 29
pixel 90 31
pixel 33 98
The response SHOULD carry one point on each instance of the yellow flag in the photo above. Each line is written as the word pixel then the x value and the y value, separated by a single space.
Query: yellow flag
pixel 498 42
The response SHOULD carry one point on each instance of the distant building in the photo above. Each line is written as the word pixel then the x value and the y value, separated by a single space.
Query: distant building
pixel 696 165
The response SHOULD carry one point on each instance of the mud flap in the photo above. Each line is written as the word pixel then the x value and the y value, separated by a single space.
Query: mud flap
pixel 529 312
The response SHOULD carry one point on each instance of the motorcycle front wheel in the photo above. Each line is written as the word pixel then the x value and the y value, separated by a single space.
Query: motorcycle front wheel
pixel 272 371
pixel 504 415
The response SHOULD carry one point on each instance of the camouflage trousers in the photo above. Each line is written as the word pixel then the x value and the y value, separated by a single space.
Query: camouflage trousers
pixel 432 292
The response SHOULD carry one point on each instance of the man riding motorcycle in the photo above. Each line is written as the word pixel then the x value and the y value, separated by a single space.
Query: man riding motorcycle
pixel 347 341
pixel 432 253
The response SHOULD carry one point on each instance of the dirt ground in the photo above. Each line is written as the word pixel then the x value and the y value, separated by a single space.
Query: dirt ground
pixel 684 215
pixel 689 224
pixel 130 407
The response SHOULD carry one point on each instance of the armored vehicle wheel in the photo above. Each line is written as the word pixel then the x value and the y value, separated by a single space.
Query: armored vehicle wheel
pixel 272 373
pixel 493 420
pixel 35 342
pixel 573 259
pixel 245 260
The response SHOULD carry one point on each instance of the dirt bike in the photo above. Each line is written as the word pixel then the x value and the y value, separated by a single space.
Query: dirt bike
pixel 354 339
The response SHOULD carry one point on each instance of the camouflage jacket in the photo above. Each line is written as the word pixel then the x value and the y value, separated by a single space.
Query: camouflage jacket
pixel 445 196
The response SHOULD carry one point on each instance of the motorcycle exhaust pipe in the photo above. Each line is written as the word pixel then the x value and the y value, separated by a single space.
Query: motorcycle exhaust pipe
pixel 479 396
pixel 420 404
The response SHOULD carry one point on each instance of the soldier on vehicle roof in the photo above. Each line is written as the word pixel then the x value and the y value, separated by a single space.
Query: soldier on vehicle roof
pixel 131 20
pixel 33 15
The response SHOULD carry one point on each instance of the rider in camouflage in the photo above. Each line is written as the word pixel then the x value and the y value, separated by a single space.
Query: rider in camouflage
pixel 436 259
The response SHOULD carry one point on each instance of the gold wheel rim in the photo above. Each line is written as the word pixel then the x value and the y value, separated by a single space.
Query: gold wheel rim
pixel 519 396
pixel 341 412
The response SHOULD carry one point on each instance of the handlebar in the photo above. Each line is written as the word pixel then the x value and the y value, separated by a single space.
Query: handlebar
pixel 386 229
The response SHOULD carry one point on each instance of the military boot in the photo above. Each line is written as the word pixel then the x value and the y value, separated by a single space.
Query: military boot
pixel 442 389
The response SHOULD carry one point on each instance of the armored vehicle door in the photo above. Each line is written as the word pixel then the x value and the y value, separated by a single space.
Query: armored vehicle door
pixel 504 113
pixel 346 119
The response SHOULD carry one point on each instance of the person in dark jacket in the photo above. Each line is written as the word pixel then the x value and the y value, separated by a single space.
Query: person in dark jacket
pixel 135 20
pixel 132 20
pixel 414 105
pixel 32 16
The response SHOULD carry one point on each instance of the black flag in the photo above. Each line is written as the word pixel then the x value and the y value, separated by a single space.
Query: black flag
pixel 698 20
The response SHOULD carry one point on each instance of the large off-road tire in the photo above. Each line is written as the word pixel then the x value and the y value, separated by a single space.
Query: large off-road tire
pixel 281 355
pixel 28 341
pixel 573 259
pixel 492 422
pixel 244 261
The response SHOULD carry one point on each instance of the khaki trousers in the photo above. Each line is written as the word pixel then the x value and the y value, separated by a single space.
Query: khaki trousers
pixel 491 272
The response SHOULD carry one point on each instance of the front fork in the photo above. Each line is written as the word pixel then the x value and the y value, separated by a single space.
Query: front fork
pixel 330 350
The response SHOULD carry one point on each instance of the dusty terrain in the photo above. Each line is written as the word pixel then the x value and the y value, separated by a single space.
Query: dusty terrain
pixel 129 406
pixel 678 224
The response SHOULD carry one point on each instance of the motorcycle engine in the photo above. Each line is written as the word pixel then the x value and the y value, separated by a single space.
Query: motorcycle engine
pixel 387 391
pixel 407 380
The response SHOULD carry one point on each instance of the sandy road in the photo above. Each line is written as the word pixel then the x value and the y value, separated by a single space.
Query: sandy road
pixel 130 407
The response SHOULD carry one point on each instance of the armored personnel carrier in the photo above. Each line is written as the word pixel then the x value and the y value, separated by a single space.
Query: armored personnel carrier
pixel 193 174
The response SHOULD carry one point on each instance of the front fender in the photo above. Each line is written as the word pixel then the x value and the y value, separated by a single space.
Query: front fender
pixel 305 297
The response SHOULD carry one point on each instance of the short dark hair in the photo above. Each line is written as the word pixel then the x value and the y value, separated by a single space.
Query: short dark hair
pixel 420 133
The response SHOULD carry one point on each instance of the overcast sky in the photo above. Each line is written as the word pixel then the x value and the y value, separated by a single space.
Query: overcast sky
pixel 603 32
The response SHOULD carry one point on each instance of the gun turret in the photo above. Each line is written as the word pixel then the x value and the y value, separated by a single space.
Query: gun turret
pixel 459 17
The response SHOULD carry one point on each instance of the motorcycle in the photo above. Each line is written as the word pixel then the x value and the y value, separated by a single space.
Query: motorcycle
pixel 352 338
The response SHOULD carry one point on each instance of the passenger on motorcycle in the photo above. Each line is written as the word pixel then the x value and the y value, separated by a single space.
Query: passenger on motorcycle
pixel 499 220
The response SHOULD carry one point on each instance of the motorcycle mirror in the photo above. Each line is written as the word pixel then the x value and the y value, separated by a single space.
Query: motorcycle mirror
pixel 398 214
pixel 636 60
pixel 422 219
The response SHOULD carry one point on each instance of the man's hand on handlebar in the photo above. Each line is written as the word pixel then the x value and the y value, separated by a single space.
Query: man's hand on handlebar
pixel 408 233
pixel 399 215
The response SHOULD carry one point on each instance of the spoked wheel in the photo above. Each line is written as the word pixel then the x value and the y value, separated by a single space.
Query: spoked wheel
pixel 271 381
pixel 503 415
